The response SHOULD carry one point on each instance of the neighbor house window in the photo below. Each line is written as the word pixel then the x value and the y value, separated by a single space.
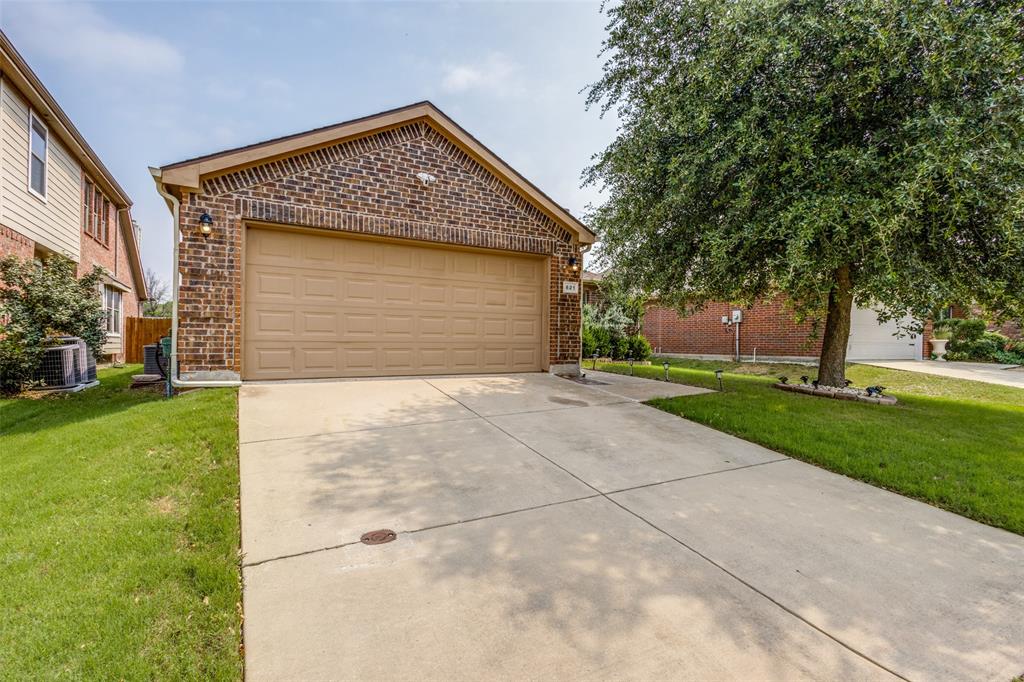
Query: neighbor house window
pixel 105 237
pixel 87 195
pixel 38 139
pixel 97 213
pixel 112 308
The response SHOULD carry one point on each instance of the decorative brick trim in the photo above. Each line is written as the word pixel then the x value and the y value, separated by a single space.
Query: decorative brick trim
pixel 317 158
pixel 330 219
pixel 495 184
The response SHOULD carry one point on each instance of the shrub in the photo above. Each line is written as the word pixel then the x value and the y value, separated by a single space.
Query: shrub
pixel 40 299
pixel 589 344
pixel 605 333
pixel 1006 357
pixel 968 340
pixel 619 347
pixel 639 347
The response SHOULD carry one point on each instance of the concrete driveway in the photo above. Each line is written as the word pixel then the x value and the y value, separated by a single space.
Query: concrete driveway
pixel 988 372
pixel 549 530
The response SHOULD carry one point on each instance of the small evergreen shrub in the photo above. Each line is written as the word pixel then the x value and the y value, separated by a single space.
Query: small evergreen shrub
pixel 639 348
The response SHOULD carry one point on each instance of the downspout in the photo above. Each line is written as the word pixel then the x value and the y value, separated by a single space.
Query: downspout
pixel 175 205
pixel 585 249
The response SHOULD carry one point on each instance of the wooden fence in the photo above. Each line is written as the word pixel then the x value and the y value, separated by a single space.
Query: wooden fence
pixel 142 331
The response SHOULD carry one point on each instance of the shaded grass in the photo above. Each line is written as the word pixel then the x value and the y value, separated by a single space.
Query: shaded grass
pixel 119 552
pixel 954 443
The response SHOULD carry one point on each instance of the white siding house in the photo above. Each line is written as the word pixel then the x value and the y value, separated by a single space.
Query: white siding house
pixel 52 218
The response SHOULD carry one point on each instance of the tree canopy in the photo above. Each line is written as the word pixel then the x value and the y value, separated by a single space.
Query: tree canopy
pixel 828 150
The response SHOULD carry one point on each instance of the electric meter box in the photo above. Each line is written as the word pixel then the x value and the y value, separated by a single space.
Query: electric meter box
pixel 737 316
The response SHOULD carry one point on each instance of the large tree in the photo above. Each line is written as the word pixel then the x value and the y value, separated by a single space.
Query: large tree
pixel 833 151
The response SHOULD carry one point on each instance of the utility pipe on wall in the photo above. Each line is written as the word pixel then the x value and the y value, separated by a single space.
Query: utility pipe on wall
pixel 172 367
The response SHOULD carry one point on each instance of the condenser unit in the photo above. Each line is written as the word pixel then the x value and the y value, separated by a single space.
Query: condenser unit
pixel 59 368
pixel 85 362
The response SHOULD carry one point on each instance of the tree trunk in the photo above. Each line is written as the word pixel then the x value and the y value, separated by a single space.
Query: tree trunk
pixel 832 362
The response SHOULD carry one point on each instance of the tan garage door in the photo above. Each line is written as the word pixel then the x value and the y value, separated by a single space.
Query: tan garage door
pixel 331 306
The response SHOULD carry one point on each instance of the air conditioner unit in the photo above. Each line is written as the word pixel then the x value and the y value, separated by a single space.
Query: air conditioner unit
pixel 85 362
pixel 59 368
pixel 153 362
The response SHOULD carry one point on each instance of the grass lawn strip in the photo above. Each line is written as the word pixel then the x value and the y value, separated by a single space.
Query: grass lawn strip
pixel 953 443
pixel 119 552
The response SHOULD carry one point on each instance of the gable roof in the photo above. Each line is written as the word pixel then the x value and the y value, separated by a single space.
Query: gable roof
pixel 23 78
pixel 188 174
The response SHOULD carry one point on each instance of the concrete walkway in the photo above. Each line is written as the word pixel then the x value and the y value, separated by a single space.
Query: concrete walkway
pixel 1005 375
pixel 551 530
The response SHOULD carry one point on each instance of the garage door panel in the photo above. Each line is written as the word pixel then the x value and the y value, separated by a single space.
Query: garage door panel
pixel 319 323
pixel 356 324
pixel 495 327
pixel 399 293
pixel 361 291
pixel 432 294
pixel 329 306
pixel 323 289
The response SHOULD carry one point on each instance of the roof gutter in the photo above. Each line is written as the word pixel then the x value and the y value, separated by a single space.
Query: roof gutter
pixel 175 205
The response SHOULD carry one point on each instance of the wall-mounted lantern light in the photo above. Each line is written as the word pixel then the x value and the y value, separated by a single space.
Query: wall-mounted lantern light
pixel 206 224
pixel 574 264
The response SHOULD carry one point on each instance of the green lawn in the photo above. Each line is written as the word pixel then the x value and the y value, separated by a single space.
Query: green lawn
pixel 119 541
pixel 956 444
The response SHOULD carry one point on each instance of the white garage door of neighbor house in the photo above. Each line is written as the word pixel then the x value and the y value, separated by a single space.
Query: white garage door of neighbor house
pixel 319 306
pixel 874 340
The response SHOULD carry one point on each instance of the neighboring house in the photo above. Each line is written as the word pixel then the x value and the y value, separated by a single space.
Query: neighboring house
pixel 56 196
pixel 767 329
pixel 394 244
pixel 591 281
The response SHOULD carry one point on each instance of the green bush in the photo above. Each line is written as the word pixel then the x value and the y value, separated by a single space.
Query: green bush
pixel 605 333
pixel 41 299
pixel 968 340
pixel 589 343
pixel 639 348
pixel 1006 357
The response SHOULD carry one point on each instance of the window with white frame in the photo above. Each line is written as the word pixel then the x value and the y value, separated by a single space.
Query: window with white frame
pixel 38 141
pixel 112 308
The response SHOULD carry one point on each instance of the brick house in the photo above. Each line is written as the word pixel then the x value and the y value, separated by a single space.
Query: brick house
pixel 768 330
pixel 394 244
pixel 56 196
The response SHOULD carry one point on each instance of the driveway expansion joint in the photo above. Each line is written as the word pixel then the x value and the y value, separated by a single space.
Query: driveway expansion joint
pixel 436 526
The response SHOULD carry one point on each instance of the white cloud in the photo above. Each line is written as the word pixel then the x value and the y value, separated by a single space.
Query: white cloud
pixel 496 74
pixel 83 38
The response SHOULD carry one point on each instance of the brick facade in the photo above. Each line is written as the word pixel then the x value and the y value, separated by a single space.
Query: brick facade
pixel 768 326
pixel 365 186
pixel 112 255
pixel 15 244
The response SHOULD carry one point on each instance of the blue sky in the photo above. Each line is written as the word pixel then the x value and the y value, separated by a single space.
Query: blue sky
pixel 150 83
